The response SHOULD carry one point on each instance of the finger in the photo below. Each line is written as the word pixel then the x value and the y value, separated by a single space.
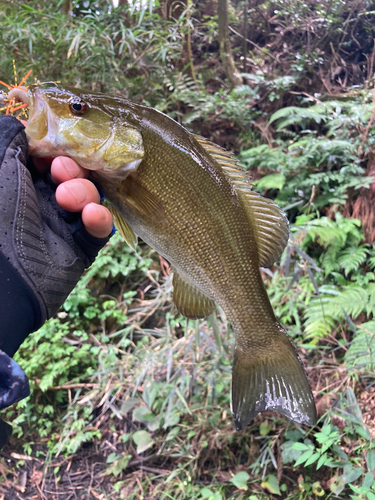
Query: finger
pixel 97 220
pixel 42 164
pixel 75 194
pixel 64 169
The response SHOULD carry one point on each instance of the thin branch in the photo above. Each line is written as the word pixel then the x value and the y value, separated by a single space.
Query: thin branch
pixel 253 43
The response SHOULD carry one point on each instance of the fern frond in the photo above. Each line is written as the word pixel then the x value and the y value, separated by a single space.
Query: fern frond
pixel 361 352
pixel 329 261
pixel 243 90
pixel 371 262
pixel 351 258
pixel 326 310
pixel 370 308
pixel 314 112
pixel 271 181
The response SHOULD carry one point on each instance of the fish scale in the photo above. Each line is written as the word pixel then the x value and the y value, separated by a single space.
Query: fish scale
pixel 187 199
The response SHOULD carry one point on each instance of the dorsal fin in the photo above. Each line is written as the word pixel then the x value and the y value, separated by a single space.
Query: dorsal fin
pixel 272 226
pixel 270 223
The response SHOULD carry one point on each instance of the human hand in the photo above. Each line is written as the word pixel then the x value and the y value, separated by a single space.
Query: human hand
pixel 49 234
pixel 76 193
pixel 97 219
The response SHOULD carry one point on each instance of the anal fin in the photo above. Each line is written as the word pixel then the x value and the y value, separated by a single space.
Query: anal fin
pixel 190 301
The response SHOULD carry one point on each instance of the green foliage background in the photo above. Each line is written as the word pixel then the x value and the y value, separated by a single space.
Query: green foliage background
pixel 118 359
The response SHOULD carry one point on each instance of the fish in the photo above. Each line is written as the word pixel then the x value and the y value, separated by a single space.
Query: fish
pixel 189 200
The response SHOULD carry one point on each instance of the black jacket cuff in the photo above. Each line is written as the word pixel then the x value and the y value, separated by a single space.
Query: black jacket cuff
pixel 19 309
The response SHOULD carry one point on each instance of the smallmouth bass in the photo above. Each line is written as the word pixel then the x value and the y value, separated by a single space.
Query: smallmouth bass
pixel 189 200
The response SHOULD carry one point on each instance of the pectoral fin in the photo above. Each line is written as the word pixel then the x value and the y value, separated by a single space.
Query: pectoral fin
pixel 141 200
pixel 123 227
pixel 190 301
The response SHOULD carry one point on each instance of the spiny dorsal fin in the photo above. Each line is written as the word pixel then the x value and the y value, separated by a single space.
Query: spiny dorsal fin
pixel 190 301
pixel 270 222
pixel 123 227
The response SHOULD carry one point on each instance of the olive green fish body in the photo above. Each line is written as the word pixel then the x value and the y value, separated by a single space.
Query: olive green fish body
pixel 200 226
pixel 188 200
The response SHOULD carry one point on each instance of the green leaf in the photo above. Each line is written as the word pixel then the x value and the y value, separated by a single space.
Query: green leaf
pixel 353 475
pixel 368 480
pixel 128 405
pixel 240 480
pixel 300 446
pixel 217 496
pixel 271 181
pixel 154 424
pixel 142 414
pixel 288 454
pixel 305 456
pixel 264 428
pixel 359 489
pixel 351 258
pixel 143 440
pixel 172 433
pixel 370 460
pixel 206 493
pixel 272 485
pixel 370 495
pixel 363 432
pixel 112 457
pixel 293 435
pixel 173 419
pixel 321 461
pixel 312 459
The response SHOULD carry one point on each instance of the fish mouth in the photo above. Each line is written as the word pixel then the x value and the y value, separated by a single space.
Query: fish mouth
pixel 19 94
pixel 41 129
pixel 37 129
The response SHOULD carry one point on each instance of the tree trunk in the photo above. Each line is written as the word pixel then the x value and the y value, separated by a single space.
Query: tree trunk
pixel 171 10
pixel 244 47
pixel 224 42
pixel 125 12
pixel 67 7
pixel 189 55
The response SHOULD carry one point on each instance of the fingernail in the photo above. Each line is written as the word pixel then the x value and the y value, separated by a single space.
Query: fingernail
pixel 71 167
pixel 101 211
pixel 77 190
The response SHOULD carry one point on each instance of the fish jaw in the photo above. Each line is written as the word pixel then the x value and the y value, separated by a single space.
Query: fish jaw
pixel 41 130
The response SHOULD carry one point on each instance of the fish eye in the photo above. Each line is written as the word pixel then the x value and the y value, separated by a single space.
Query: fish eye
pixel 77 106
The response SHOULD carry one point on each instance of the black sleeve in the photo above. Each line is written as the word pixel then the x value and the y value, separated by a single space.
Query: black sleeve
pixel 19 309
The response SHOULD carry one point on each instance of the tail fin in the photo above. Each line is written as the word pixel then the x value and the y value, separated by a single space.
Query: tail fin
pixel 275 381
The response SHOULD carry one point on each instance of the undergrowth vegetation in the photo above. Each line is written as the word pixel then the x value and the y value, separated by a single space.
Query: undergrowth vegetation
pixel 118 371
